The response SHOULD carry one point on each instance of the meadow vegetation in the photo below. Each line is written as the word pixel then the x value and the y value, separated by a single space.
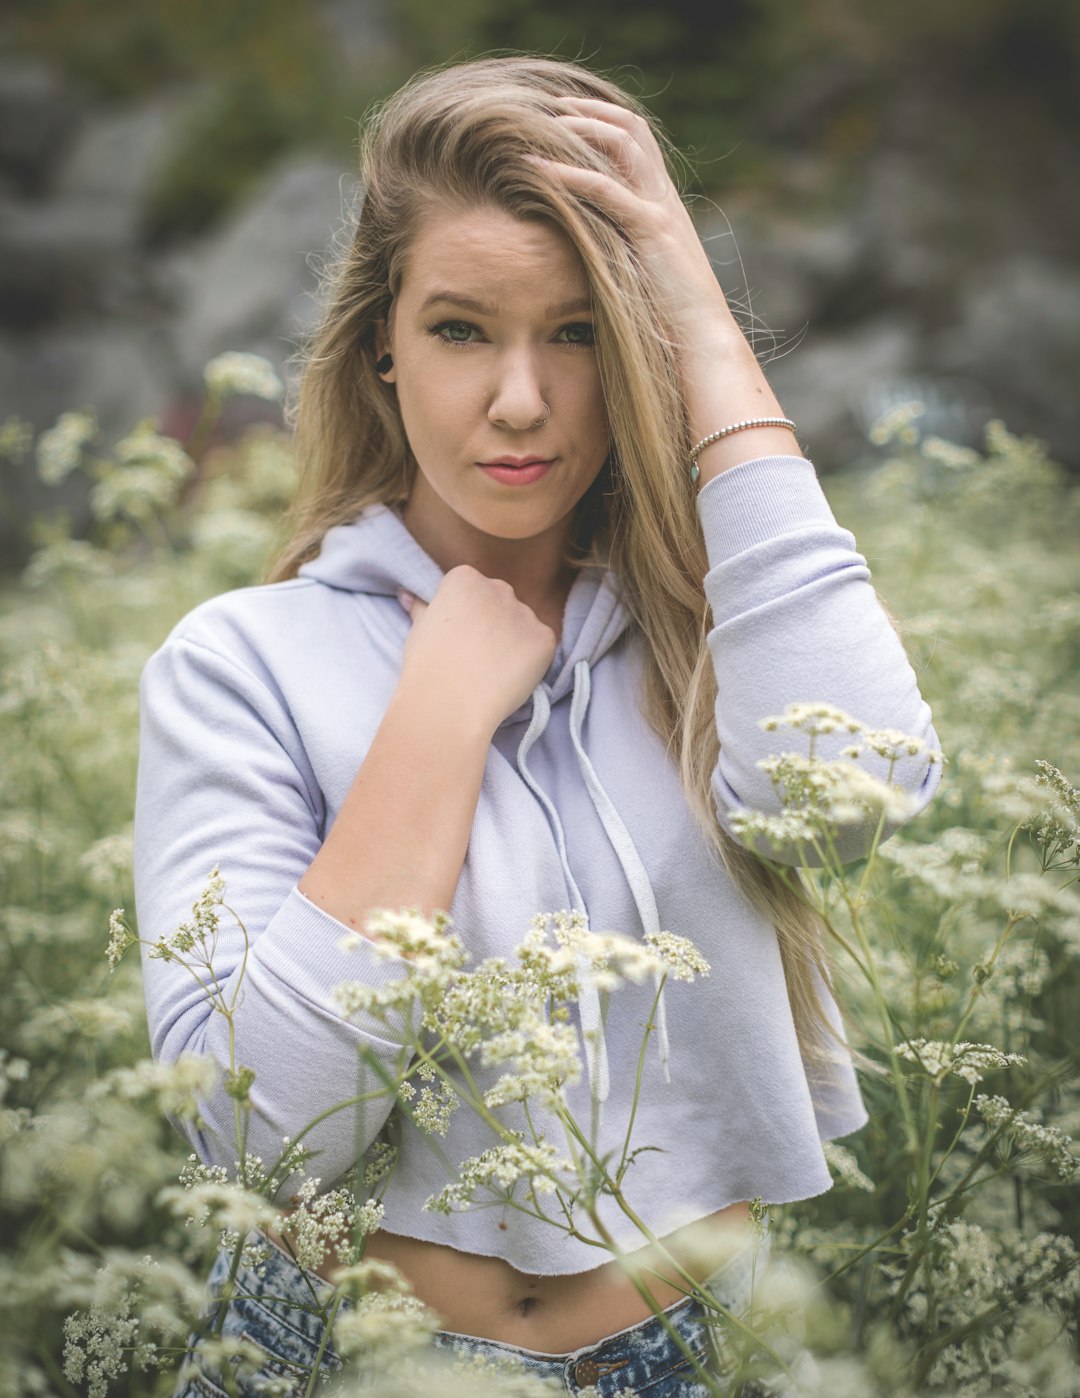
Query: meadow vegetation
pixel 945 1259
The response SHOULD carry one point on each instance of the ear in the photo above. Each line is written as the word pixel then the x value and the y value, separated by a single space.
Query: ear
pixel 383 347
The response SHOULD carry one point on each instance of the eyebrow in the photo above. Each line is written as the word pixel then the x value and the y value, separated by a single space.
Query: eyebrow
pixel 575 306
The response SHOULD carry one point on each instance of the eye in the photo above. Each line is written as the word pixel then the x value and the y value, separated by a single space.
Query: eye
pixel 455 332
pixel 580 333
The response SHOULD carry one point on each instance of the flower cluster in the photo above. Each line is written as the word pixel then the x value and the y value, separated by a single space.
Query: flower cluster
pixel 331 1224
pixel 199 931
pixel 143 479
pixel 435 1103
pixel 1056 827
pixel 1047 1144
pixel 845 1168
pixel 499 1170
pixel 60 449
pixel 231 373
pixel 177 1087
pixel 963 1060
pixel 136 1302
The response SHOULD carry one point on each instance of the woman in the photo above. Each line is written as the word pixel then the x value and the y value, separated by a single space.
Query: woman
pixel 506 667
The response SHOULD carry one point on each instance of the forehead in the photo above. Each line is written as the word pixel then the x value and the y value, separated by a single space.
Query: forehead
pixel 489 255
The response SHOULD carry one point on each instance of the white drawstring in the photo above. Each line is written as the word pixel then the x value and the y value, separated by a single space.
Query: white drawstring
pixel 621 842
pixel 592 1025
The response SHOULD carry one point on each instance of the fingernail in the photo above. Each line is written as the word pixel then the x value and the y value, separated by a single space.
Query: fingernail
pixel 406 599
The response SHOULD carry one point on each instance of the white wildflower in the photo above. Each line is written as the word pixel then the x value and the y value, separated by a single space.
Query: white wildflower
pixel 379 1161
pixel 812 719
pixel 74 560
pixel 16 439
pixel 219 1204
pixel 964 1060
pixel 108 861
pixel 356 1279
pixel 238 541
pixel 498 1170
pixel 898 424
pixel 845 1168
pixel 319 1224
pixel 202 927
pixel 382 1328
pixel 1056 827
pixel 682 960
pixel 144 479
pixel 120 938
pixel 98 1020
pixel 833 793
pixel 233 373
pixel 178 1087
pixel 434 1108
pixel 60 448
pixel 1030 1138
pixel 134 1305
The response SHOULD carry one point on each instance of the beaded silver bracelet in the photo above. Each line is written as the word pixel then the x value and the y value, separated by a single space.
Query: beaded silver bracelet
pixel 699 447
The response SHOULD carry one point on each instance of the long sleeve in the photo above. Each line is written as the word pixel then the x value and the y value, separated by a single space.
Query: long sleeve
pixel 796 619
pixel 224 780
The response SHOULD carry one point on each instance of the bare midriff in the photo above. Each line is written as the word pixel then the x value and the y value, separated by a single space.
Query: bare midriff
pixel 486 1297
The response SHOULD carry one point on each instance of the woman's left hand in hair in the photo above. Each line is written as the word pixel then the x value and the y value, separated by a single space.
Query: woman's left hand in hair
pixel 649 207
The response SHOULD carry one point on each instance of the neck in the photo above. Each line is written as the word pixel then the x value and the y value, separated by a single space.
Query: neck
pixel 535 568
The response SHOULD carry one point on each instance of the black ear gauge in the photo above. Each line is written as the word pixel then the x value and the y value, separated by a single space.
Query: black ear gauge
pixel 384 364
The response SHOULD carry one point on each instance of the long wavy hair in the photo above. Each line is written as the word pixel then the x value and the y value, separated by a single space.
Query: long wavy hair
pixel 457 137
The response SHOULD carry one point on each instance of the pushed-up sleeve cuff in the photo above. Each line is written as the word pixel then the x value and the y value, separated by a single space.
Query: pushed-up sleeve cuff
pixel 305 947
pixel 759 500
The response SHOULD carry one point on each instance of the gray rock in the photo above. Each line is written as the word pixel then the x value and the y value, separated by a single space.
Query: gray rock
pixel 250 286
pixel 823 385
pixel 38 119
pixel 121 372
pixel 1018 333
pixel 61 257
pixel 119 150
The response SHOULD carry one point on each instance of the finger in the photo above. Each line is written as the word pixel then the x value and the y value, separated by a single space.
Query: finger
pixel 610 112
pixel 602 189
pixel 612 140
pixel 411 604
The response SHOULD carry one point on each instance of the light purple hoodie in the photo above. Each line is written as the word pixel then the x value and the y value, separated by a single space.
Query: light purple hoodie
pixel 257 713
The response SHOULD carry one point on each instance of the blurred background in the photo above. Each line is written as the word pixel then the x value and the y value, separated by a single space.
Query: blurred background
pixel 890 188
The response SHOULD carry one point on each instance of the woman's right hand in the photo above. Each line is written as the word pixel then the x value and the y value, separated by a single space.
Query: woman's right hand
pixel 477 648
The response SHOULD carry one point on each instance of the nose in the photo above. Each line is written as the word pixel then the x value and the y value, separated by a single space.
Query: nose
pixel 517 400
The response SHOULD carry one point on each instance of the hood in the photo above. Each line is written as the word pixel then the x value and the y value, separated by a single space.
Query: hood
pixel 376 554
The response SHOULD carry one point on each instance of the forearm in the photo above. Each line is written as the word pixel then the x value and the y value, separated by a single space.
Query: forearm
pixel 402 833
pixel 722 384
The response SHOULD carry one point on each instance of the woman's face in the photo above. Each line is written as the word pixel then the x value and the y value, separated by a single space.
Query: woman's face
pixel 497 380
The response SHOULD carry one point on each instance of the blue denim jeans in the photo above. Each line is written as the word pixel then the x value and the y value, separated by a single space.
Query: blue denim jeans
pixel 274 1306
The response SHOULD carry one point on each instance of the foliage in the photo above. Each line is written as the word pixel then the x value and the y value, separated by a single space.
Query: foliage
pixel 944 1261
pixel 261 77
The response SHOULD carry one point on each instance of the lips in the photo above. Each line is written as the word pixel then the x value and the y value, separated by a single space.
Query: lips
pixel 517 470
pixel 518 461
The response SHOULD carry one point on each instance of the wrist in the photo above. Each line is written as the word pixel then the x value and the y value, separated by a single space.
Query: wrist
pixel 435 714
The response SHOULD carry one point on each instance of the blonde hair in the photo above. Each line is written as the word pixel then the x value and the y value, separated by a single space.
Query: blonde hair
pixel 458 137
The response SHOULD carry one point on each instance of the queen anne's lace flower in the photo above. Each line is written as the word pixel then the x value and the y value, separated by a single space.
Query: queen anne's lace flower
pixel 1056 827
pixel 498 1170
pixel 178 1087
pixel 968 1061
pixel 1048 1144
pixel 233 373
pixel 60 448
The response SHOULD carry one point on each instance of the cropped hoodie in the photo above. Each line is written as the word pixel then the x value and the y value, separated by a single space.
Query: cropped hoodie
pixel 257 713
